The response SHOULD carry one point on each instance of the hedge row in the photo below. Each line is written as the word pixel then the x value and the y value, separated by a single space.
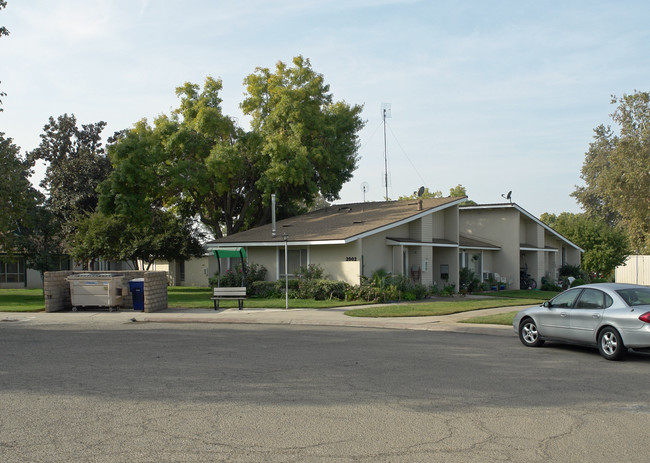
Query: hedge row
pixel 300 289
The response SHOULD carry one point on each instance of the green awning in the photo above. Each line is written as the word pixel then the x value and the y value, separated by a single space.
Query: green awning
pixel 229 252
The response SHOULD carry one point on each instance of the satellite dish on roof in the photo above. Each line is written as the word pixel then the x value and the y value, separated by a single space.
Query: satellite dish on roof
pixel 508 196
pixel 365 187
pixel 420 192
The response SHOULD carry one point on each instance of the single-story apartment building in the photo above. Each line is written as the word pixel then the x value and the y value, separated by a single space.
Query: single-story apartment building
pixel 414 238
pixel 521 242
pixel 427 240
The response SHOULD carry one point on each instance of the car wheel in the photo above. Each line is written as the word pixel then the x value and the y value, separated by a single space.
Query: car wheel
pixel 610 344
pixel 528 334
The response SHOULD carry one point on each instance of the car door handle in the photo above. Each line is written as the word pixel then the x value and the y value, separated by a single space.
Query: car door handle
pixel 563 314
pixel 596 315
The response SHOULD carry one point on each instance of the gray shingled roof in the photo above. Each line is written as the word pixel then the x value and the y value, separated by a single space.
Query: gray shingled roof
pixel 340 222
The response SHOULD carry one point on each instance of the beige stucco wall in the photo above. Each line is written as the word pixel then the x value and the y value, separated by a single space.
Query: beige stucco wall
pixel 333 259
pixel 451 223
pixel 197 271
pixel 338 261
pixel 533 234
pixel 573 256
pixel 502 228
pixel 377 255
pixel 438 226
pixel 267 257
pixel 508 228
pixel 427 252
pixel 427 259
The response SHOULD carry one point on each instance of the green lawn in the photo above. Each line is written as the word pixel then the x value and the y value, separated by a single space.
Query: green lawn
pixel 179 297
pixel 31 300
pixel 188 298
pixel 21 300
pixel 496 319
pixel 453 305
pixel 522 293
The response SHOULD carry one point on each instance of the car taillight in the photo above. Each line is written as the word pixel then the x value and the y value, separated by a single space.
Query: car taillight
pixel 645 317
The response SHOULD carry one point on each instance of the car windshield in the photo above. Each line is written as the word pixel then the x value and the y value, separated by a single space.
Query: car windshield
pixel 635 296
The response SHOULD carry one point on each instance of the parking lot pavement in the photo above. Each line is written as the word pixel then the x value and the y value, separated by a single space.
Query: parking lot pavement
pixel 314 317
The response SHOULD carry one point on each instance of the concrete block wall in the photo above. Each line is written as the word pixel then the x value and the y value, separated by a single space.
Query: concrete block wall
pixel 57 289
pixel 155 291
pixel 127 302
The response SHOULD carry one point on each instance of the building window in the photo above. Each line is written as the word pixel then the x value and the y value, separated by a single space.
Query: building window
pixel 12 272
pixel 181 270
pixel 296 258
pixel 61 263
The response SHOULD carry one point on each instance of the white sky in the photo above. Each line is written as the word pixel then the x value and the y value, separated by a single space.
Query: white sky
pixel 495 96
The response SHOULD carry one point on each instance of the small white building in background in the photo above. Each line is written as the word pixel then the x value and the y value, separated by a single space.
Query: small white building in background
pixel 14 273
pixel 193 272
pixel 635 270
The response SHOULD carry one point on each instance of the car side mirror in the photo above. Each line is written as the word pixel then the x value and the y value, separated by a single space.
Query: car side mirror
pixel 547 304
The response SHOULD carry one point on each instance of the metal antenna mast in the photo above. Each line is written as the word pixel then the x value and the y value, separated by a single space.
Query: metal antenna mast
pixel 385 112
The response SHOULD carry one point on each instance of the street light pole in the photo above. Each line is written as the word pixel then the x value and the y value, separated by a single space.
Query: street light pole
pixel 286 271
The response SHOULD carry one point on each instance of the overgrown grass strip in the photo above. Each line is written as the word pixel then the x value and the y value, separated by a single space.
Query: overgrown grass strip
pixel 495 319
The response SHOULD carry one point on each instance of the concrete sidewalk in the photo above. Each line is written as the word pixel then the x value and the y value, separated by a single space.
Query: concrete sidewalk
pixel 314 317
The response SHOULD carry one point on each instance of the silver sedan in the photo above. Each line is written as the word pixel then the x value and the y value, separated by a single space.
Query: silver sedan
pixel 612 316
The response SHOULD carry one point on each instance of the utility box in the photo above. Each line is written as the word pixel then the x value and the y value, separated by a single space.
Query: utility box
pixel 96 290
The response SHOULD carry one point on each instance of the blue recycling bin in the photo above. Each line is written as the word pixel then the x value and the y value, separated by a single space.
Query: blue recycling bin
pixel 136 287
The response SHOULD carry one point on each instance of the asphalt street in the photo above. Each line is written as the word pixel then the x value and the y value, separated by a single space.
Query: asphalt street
pixel 152 392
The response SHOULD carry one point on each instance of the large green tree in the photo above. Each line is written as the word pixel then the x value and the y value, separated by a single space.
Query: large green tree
pixel 616 171
pixel 116 237
pixel 198 162
pixel 3 31
pixel 605 247
pixel 76 165
pixel 17 196
pixel 41 242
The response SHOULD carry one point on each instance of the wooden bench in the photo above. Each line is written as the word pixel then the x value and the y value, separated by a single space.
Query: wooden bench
pixel 238 293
